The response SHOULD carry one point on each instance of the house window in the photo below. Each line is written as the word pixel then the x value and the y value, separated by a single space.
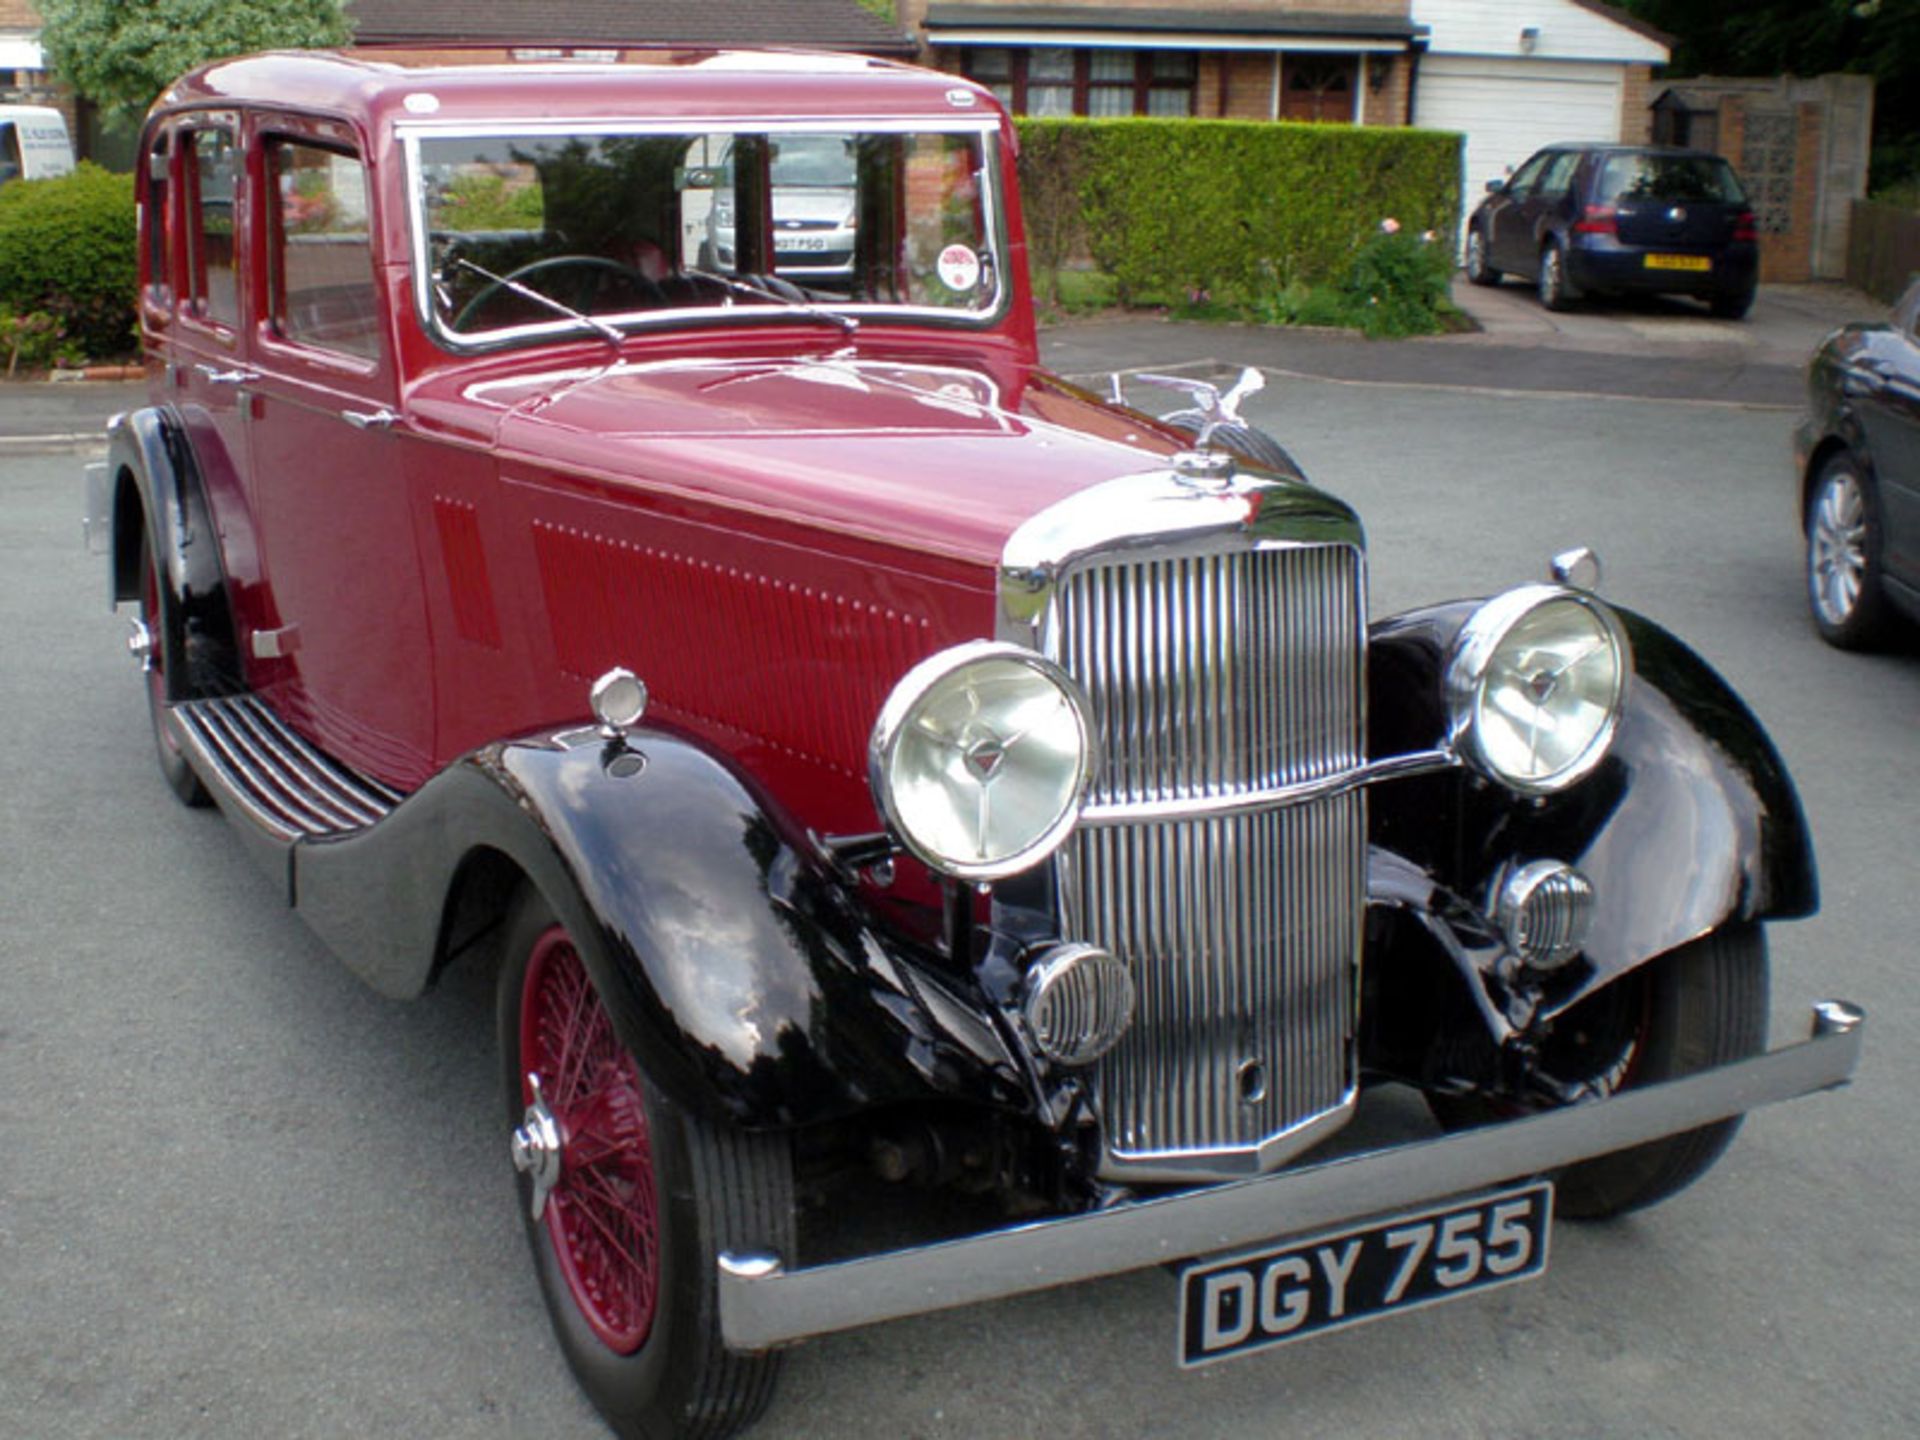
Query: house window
pixel 1318 87
pixel 1050 82
pixel 1057 80
pixel 320 261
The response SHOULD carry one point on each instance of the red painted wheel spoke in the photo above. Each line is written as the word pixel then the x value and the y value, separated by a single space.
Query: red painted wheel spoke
pixel 602 1218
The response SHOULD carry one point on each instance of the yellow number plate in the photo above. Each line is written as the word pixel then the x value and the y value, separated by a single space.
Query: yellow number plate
pixel 1678 262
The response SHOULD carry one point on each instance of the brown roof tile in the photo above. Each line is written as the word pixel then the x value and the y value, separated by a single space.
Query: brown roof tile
pixel 823 24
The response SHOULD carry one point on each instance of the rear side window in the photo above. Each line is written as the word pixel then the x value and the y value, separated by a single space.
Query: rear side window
pixel 159 280
pixel 319 256
pixel 1669 177
pixel 10 166
pixel 213 290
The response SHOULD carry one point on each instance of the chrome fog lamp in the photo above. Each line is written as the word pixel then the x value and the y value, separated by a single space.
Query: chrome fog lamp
pixel 1544 910
pixel 1534 687
pixel 1079 1002
pixel 980 758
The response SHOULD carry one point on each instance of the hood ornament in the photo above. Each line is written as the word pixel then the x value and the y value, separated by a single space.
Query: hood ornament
pixel 1203 466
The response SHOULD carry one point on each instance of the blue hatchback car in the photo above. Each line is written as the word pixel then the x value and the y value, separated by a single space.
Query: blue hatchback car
pixel 1583 220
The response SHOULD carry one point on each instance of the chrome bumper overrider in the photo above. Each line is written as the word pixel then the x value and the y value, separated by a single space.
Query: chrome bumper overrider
pixel 762 1304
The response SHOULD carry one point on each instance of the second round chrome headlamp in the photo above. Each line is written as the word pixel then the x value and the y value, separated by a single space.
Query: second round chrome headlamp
pixel 1534 687
pixel 980 759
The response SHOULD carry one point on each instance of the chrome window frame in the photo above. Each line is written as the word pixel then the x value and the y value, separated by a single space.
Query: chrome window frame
pixel 986 129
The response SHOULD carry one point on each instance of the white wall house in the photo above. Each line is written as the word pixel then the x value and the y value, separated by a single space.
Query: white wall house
pixel 1513 75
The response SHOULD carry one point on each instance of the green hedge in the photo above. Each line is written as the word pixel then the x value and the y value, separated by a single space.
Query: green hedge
pixel 1226 207
pixel 67 248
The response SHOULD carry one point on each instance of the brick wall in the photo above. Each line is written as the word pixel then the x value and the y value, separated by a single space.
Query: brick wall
pixel 1789 257
pixel 1249 94
pixel 1636 95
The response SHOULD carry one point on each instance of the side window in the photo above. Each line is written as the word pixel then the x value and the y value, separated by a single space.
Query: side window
pixel 1559 174
pixel 159 276
pixel 319 258
pixel 1527 176
pixel 212 289
pixel 10 162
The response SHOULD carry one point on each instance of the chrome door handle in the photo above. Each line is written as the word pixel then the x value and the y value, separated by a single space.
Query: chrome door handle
pixel 381 419
pixel 213 375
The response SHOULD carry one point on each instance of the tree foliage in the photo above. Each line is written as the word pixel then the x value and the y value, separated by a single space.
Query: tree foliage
pixel 124 52
pixel 1880 38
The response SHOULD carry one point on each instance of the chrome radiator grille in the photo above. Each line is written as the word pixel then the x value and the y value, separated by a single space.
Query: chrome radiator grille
pixel 1208 677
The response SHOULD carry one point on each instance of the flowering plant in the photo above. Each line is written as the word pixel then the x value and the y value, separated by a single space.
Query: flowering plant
pixel 1397 283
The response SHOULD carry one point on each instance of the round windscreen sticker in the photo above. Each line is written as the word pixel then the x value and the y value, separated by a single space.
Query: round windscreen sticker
pixel 959 268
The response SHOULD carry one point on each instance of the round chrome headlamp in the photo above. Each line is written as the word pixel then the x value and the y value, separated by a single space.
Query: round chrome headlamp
pixel 980 758
pixel 1534 687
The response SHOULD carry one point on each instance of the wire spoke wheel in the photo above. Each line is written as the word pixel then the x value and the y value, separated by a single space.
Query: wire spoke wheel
pixel 629 1198
pixel 155 649
pixel 603 1211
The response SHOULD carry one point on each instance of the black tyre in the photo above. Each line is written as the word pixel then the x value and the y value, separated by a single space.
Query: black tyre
pixel 641 1197
pixel 1249 442
pixel 1557 290
pixel 1843 556
pixel 1702 1005
pixel 1479 272
pixel 1732 306
pixel 163 642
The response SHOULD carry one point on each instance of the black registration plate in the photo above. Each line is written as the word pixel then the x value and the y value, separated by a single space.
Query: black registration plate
pixel 1325 1282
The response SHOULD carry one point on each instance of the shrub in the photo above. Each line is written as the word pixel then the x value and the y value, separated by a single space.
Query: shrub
pixel 1176 208
pixel 34 341
pixel 67 247
pixel 1397 282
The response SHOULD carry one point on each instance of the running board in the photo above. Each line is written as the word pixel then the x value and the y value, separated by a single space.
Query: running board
pixel 260 770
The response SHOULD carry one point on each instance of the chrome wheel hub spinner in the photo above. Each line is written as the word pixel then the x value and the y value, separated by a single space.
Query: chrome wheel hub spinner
pixel 140 645
pixel 536 1148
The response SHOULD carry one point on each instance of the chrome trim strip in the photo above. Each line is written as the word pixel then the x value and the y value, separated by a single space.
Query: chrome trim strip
pixel 645 322
pixel 1208 807
pixel 762 1304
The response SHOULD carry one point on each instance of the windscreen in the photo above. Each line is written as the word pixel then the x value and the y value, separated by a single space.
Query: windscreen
pixel 546 231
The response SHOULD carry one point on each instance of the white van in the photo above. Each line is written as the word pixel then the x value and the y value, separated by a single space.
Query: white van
pixel 33 143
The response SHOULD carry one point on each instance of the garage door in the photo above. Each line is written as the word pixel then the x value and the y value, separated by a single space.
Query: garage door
pixel 1508 109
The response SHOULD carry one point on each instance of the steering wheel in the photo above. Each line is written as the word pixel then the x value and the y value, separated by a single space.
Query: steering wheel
pixel 600 265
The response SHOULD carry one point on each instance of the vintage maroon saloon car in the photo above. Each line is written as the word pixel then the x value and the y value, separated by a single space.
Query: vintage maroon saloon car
pixel 885 777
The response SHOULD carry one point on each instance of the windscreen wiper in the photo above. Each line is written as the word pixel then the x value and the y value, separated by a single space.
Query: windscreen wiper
pixel 847 323
pixel 611 334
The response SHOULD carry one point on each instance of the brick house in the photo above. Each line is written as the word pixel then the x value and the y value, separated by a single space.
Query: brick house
pixel 23 69
pixel 1511 75
pixel 1343 61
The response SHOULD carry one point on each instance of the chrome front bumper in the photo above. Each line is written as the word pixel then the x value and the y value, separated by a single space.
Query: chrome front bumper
pixel 763 1304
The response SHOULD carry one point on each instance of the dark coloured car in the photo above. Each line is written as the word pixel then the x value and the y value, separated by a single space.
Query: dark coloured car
pixel 884 779
pixel 1858 454
pixel 1582 220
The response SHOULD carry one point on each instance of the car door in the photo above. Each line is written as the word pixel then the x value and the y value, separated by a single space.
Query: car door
pixel 198 327
pixel 1509 228
pixel 1889 409
pixel 350 653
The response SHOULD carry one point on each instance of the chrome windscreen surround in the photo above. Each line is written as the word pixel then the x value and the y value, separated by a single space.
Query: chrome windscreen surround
pixel 1219 635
